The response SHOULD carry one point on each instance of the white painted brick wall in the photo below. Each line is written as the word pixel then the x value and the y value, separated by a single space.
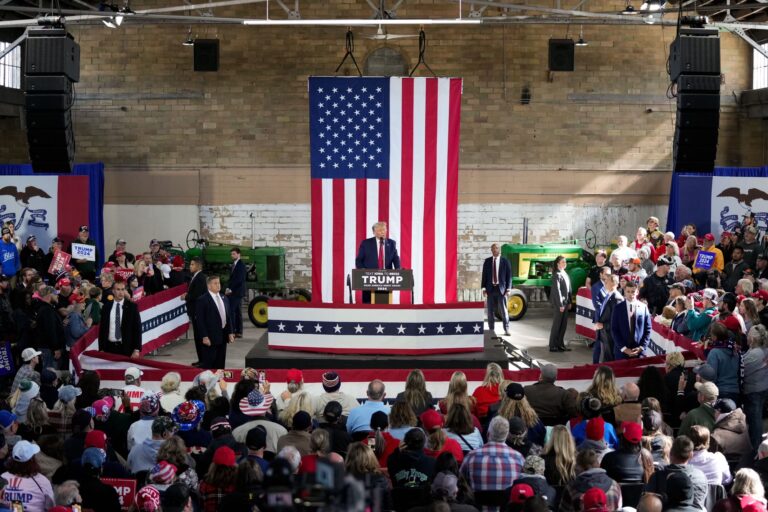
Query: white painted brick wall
pixel 480 225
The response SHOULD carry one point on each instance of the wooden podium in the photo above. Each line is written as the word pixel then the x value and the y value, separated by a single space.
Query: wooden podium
pixel 381 283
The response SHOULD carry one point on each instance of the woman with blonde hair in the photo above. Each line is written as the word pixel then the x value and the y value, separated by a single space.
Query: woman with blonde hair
pixel 604 388
pixel 457 393
pixel 362 465
pixel 747 489
pixel 748 311
pixel 171 395
pixel 301 401
pixel 174 451
pixel 488 392
pixel 688 252
pixel 560 457
pixel 514 404
pixel 401 419
pixel 416 394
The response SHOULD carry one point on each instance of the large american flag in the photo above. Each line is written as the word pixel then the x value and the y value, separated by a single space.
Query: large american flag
pixel 385 149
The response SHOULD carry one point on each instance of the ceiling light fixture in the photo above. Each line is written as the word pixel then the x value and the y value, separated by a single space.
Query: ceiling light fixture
pixel 629 10
pixel 581 41
pixel 652 5
pixel 189 41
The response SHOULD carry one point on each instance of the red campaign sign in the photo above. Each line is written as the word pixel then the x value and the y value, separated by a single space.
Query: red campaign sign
pixel 126 490
pixel 58 262
pixel 125 273
pixel 138 293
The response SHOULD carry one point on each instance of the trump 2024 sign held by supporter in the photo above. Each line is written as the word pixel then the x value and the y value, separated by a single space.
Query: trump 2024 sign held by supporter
pixel 44 206
pixel 705 259
pixel 58 262
pixel 84 252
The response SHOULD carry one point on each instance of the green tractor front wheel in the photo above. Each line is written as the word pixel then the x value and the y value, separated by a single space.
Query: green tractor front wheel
pixel 257 310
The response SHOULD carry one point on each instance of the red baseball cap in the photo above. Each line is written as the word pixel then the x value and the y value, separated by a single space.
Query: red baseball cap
pixel 95 439
pixel 710 237
pixel 762 295
pixel 633 432
pixel 431 420
pixel 595 500
pixel 294 375
pixel 224 456
pixel 520 493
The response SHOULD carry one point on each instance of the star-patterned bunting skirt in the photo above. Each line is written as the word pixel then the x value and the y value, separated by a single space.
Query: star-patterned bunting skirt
pixel 371 329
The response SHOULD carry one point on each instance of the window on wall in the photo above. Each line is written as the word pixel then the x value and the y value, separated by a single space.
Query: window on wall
pixel 759 68
pixel 10 67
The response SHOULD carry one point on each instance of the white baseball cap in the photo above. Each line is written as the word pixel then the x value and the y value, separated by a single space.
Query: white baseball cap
pixel 133 373
pixel 710 294
pixel 24 450
pixel 29 353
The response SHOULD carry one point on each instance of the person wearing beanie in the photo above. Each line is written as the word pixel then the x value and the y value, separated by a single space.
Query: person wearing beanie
pixel 96 495
pixel 144 456
pixel 533 475
pixel 332 386
pixel 162 475
pixel 221 431
pixel 220 479
pixel 256 442
pixel 299 435
pixel 437 441
pixel 590 477
pixel 332 422
pixel 595 439
pixel 294 383
pixel 148 499
pixel 149 407
pixel 625 465
pixel 591 407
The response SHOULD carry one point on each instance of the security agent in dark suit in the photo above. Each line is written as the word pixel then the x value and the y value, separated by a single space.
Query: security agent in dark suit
pixel 214 325
pixel 377 252
pixel 196 288
pixel 236 291
pixel 120 327
pixel 560 298
pixel 497 284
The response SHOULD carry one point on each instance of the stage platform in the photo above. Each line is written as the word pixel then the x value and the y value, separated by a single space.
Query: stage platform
pixel 260 356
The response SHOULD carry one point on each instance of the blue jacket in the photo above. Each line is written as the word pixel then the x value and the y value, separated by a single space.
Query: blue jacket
pixel 9 258
pixel 76 327
pixel 368 254
pixel 504 277
pixel 579 433
pixel 621 332
pixel 726 365
pixel 598 296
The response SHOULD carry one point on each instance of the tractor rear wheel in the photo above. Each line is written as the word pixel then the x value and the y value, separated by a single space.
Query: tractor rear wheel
pixel 257 310
pixel 517 305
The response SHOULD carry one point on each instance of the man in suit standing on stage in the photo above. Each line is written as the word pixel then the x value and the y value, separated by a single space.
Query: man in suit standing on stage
pixel 630 325
pixel 560 297
pixel 236 291
pixel 214 325
pixel 497 284
pixel 197 287
pixel 377 252
pixel 120 326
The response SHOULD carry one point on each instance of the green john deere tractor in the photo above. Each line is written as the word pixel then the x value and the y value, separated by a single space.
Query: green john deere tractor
pixel 265 266
pixel 532 268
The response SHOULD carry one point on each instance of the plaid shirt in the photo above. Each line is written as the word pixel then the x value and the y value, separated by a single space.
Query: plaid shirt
pixel 211 496
pixel 62 422
pixel 492 467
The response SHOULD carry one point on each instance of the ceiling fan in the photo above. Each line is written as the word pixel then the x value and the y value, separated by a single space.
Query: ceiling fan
pixel 383 35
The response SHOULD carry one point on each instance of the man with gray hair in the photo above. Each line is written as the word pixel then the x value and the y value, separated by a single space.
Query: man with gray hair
pixel 552 403
pixel 495 466
pixel 377 252
pixel 359 419
pixel 292 455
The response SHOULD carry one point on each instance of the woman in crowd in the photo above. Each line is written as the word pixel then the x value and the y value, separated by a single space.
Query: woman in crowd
pixel 652 385
pixel 416 394
pixel 301 401
pixel 437 441
pixel 63 410
pixel 76 325
pixel 332 422
pixel 654 439
pixel 362 465
pixel 756 381
pixel 29 484
pixel 37 423
pixel 383 442
pixel 560 457
pixel 748 311
pixel 401 419
pixel 672 252
pixel 652 404
pixel 688 251
pixel 747 490
pixel 220 479
pixel 488 392
pixel 459 427
pixel 121 261
pixel 713 465
pixel 457 393
pixel 174 451
pixel 319 447
pixel 518 439
pixel 171 395
pixel 604 388
pixel 724 356
pixel 679 324
pixel 514 404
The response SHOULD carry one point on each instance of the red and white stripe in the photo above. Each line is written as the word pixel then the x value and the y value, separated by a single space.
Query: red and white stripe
pixel 419 201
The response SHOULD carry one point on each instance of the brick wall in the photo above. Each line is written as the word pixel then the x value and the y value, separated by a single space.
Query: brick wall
pixel 480 225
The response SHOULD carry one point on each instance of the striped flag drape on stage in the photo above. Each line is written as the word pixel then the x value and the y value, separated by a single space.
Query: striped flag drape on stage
pixel 385 149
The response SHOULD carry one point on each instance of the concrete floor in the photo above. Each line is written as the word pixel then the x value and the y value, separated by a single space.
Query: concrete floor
pixel 531 334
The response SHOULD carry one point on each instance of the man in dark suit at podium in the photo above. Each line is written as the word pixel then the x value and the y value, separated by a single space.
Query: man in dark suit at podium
pixel 377 252
pixel 496 284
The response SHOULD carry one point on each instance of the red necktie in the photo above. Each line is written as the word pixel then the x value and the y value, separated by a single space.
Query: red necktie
pixel 381 253
pixel 495 275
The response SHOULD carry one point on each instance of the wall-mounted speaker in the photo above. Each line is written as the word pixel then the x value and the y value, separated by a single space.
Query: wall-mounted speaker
pixel 561 54
pixel 206 55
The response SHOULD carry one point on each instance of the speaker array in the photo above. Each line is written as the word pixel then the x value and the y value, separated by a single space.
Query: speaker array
pixel 694 66
pixel 52 65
